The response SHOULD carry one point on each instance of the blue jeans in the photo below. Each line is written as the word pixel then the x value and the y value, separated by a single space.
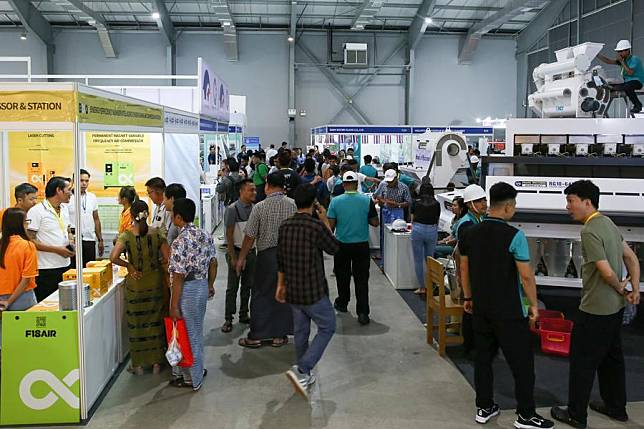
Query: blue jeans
pixel 323 315
pixel 423 243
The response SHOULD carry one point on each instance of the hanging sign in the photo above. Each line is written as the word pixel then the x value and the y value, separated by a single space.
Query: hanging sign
pixel 37 106
pixel 215 100
pixel 106 111
pixel 179 123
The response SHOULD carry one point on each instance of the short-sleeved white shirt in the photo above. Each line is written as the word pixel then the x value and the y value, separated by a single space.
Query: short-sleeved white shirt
pixel 89 204
pixel 45 224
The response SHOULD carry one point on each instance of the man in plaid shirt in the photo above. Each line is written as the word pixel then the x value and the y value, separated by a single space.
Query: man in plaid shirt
pixel 302 282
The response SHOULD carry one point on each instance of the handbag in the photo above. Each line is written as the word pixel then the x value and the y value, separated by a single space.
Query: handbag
pixel 179 351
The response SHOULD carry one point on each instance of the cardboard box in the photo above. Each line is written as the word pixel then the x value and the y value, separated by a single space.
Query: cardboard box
pixel 106 263
pixel 93 279
pixel 102 272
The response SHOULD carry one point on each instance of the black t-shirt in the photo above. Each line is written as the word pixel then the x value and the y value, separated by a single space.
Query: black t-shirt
pixel 292 181
pixel 426 212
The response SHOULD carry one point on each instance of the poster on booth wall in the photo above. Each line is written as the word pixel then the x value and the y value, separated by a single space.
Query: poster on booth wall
pixel 115 160
pixel 215 100
pixel 106 111
pixel 40 369
pixel 37 106
pixel 37 156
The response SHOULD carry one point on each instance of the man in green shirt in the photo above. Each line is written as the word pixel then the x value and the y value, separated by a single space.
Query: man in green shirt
pixel 259 176
pixel 596 345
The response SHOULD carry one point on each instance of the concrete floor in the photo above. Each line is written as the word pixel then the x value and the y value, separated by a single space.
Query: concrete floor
pixel 379 376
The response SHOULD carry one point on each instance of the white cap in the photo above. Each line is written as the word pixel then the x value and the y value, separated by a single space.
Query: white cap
pixel 623 45
pixel 399 225
pixel 350 176
pixel 390 175
pixel 473 193
pixel 474 159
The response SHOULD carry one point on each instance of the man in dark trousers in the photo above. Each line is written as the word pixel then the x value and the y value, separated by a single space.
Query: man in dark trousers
pixel 496 279
pixel 596 346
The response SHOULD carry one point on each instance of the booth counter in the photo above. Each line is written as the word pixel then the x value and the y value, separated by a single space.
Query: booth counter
pixel 399 259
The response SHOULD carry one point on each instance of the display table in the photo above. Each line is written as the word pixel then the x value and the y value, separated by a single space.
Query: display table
pixel 399 259
pixel 105 348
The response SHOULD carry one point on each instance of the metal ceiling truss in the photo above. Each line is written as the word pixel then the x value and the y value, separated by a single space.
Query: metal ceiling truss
pixel 76 8
pixel 420 23
pixel 513 9
pixel 36 24
pixel 164 22
pixel 221 9
pixel 367 14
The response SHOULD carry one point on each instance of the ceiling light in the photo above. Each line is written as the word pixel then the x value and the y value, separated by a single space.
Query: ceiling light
pixel 359 26
pixel 23 36
pixel 428 20
pixel 92 22
pixel 291 39
pixel 226 23
pixel 156 15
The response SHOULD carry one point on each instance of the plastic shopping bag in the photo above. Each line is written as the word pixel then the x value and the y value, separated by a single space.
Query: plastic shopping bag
pixel 173 355
pixel 177 336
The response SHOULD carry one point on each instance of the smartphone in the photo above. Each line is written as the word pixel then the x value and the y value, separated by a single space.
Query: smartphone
pixel 70 248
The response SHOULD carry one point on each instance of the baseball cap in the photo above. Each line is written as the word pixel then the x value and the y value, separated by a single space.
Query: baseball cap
pixel 390 175
pixel 350 176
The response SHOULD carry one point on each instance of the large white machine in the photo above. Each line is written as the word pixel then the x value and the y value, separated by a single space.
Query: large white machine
pixel 569 87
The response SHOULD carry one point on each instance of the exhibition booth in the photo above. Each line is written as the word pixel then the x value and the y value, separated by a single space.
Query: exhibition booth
pixel 55 363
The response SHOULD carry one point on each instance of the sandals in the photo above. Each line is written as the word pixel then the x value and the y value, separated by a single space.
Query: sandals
pixel 181 383
pixel 136 370
pixel 420 291
pixel 279 342
pixel 250 344
pixel 227 327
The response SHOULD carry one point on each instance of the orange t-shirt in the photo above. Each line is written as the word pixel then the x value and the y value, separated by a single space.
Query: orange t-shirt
pixel 1 214
pixel 125 221
pixel 20 260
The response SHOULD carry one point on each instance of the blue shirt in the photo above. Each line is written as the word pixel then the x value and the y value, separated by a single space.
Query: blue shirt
pixel 351 212
pixel 635 63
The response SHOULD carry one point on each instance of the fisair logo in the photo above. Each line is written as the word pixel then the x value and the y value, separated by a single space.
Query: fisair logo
pixel 40 333
pixel 59 389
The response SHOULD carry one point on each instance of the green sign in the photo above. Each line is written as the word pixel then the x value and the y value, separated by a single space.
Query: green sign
pixel 40 377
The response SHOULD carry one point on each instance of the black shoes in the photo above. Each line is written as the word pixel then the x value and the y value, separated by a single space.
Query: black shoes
pixel 483 415
pixel 340 308
pixel 363 319
pixel 562 415
pixel 601 408
pixel 534 422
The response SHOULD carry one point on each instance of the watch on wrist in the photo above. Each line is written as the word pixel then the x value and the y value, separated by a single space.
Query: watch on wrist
pixel 467 299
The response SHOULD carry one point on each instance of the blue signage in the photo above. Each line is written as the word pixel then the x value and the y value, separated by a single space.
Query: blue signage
pixel 398 130
pixel 464 130
pixel 369 130
pixel 234 129
pixel 212 126
pixel 251 143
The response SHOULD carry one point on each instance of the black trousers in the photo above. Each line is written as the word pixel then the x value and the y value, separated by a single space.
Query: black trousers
pixel 261 193
pixel 514 339
pixel 89 253
pixel 247 279
pixel 629 88
pixel 596 347
pixel 353 259
pixel 47 282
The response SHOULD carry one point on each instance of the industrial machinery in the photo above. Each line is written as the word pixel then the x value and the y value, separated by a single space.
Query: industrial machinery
pixel 569 87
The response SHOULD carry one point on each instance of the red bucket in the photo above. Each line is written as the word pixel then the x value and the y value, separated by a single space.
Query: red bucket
pixel 546 314
pixel 555 336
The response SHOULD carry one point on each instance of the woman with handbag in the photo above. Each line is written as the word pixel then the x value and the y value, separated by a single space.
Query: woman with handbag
pixel 147 251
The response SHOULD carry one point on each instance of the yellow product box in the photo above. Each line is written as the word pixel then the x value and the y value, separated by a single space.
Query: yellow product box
pixel 102 272
pixel 92 279
pixel 103 263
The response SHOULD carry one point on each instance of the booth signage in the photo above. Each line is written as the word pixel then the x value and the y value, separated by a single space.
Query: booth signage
pixel 215 96
pixel 37 106
pixel 106 111
pixel 252 143
pixel 174 121
pixel 40 375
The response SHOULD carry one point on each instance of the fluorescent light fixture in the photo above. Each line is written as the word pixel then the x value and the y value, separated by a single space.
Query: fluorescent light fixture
pixel 428 20
pixel 91 22
pixel 226 23
pixel 156 15
pixel 360 26
pixel 23 36
pixel 478 120
pixel 291 39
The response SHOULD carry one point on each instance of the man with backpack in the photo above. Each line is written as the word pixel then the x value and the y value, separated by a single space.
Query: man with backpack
pixel 291 178
pixel 229 185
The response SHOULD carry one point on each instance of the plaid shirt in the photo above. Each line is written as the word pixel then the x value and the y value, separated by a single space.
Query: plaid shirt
pixel 266 218
pixel 399 194
pixel 299 256
pixel 191 253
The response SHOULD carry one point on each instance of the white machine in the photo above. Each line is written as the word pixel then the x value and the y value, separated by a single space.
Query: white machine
pixel 569 87
pixel 439 156
pixel 211 208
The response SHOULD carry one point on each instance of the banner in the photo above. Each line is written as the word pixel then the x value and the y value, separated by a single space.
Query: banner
pixel 37 156
pixel 37 106
pixel 40 374
pixel 215 100
pixel 106 111
pixel 423 157
pixel 177 122
pixel 118 159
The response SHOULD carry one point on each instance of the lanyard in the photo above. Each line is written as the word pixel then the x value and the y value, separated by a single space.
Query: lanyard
pixel 59 217
pixel 84 202
pixel 591 217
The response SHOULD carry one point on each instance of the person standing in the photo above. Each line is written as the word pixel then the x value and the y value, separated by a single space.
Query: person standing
pixel 393 197
pixel 350 215
pixel 212 156
pixel 271 152
pixel 228 186
pixel 127 197
pixel 302 282
pixel 26 196
pixel 496 277
pixel 90 230
pixel 193 267
pixel 48 228
pixel 147 251
pixel 161 218
pixel 259 175
pixel 291 179
pixel 596 343
pixel 235 219
pixel 425 212
pixel 269 319
pixel 172 193
pixel 370 171
pixel 632 72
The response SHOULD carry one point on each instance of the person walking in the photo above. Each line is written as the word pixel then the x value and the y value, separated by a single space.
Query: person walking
pixel 302 282
pixel 193 269
pixel 259 175
pixel 496 277
pixel 90 232
pixel 228 187
pixel 350 215
pixel 235 219
pixel 425 212
pixel 269 319
pixel 596 343
pixel 147 251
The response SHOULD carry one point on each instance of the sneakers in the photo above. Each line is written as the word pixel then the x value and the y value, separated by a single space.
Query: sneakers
pixel 562 415
pixel 536 421
pixel 601 408
pixel 483 415
pixel 301 382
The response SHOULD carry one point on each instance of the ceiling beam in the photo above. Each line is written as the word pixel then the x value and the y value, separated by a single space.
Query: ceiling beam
pixel 222 12
pixel 95 19
pixel 37 25
pixel 420 23
pixel 513 9
pixel 164 22
pixel 367 13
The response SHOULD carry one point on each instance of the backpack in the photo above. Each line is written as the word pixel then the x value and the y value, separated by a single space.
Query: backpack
pixel 235 189
pixel 291 179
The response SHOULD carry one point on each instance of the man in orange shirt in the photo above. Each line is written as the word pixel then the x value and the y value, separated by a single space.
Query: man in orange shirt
pixel 26 195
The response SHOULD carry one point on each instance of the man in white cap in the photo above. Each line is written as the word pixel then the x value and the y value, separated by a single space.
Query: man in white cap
pixel 393 197
pixel 350 215
pixel 632 72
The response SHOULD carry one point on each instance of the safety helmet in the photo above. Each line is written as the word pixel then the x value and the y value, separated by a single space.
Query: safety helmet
pixel 399 225
pixel 473 193
pixel 623 45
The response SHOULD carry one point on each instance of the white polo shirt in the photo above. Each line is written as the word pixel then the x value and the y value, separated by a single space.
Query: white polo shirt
pixel 161 218
pixel 89 204
pixel 50 230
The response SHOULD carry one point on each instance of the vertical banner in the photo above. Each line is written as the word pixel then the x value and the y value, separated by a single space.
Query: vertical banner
pixel 37 156
pixel 215 100
pixel 40 368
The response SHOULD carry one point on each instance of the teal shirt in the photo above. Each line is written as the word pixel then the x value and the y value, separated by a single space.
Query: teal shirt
pixel 635 63
pixel 351 212
pixel 469 217
pixel 405 180
pixel 369 171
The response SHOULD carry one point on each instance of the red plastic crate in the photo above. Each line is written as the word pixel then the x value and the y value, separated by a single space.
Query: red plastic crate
pixel 555 336
pixel 546 314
